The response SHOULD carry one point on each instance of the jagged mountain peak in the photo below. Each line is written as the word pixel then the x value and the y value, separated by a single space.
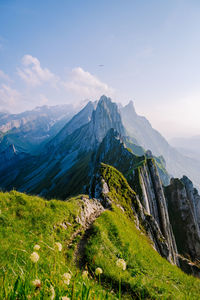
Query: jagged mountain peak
pixel 130 107
pixel 105 117
pixel 105 103
pixel 104 99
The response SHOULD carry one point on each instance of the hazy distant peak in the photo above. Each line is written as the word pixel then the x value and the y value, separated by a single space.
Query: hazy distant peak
pixel 130 107
pixel 90 104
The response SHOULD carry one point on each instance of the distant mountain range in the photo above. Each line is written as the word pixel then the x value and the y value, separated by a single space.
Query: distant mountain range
pixel 29 129
pixel 59 139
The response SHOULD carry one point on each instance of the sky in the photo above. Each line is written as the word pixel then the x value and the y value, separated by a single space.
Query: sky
pixel 69 51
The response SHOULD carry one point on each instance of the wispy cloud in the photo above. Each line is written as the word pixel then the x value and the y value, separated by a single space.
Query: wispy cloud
pixel 9 97
pixel 79 85
pixel 33 74
pixel 4 76
pixel 85 84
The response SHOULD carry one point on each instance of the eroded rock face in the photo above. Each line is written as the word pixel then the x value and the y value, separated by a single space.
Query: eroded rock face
pixel 183 207
pixel 193 196
pixel 154 201
pixel 105 117
pixel 89 211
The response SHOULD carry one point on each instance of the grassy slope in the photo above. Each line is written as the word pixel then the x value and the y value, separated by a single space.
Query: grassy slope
pixel 26 221
pixel 148 275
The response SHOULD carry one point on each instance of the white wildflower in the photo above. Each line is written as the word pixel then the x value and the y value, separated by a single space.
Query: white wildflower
pixel 98 271
pixel 52 292
pixel 121 264
pixel 36 247
pixel 66 278
pixel 58 246
pixel 65 298
pixel 34 257
pixel 85 275
pixel 36 282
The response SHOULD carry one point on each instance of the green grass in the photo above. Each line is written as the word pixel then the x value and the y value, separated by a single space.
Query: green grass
pixel 119 190
pixel 29 220
pixel 26 221
pixel 148 275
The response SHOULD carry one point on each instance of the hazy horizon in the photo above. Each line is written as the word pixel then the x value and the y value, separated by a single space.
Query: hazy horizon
pixel 147 52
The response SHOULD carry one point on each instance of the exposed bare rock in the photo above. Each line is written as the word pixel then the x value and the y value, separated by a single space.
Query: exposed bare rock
pixel 189 267
pixel 153 199
pixel 182 202
pixel 89 211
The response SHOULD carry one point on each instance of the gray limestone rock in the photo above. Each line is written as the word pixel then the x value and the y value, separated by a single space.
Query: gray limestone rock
pixel 182 202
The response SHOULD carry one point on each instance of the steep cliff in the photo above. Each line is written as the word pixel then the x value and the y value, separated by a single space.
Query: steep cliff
pixel 152 195
pixel 183 205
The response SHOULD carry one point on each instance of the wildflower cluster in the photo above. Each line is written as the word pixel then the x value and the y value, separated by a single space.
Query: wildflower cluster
pixel 121 264
pixel 66 278
pixel 34 257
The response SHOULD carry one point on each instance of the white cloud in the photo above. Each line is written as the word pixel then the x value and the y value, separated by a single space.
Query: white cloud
pixel 33 74
pixel 4 76
pixel 85 84
pixel 9 97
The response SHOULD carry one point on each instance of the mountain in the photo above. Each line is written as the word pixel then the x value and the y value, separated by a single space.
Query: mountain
pixel 28 130
pixel 177 164
pixel 81 118
pixel 56 171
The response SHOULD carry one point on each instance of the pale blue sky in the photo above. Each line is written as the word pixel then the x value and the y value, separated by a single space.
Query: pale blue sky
pixel 50 52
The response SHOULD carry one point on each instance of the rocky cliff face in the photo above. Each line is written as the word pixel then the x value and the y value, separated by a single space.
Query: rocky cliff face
pixel 105 117
pixel 183 205
pixel 154 201
pixel 109 186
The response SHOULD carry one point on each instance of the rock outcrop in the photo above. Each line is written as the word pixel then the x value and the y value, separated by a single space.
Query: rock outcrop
pixel 153 199
pixel 89 211
pixel 183 206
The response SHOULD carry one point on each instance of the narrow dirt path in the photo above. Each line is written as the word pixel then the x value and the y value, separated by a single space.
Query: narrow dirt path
pixel 79 254
pixel 90 211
